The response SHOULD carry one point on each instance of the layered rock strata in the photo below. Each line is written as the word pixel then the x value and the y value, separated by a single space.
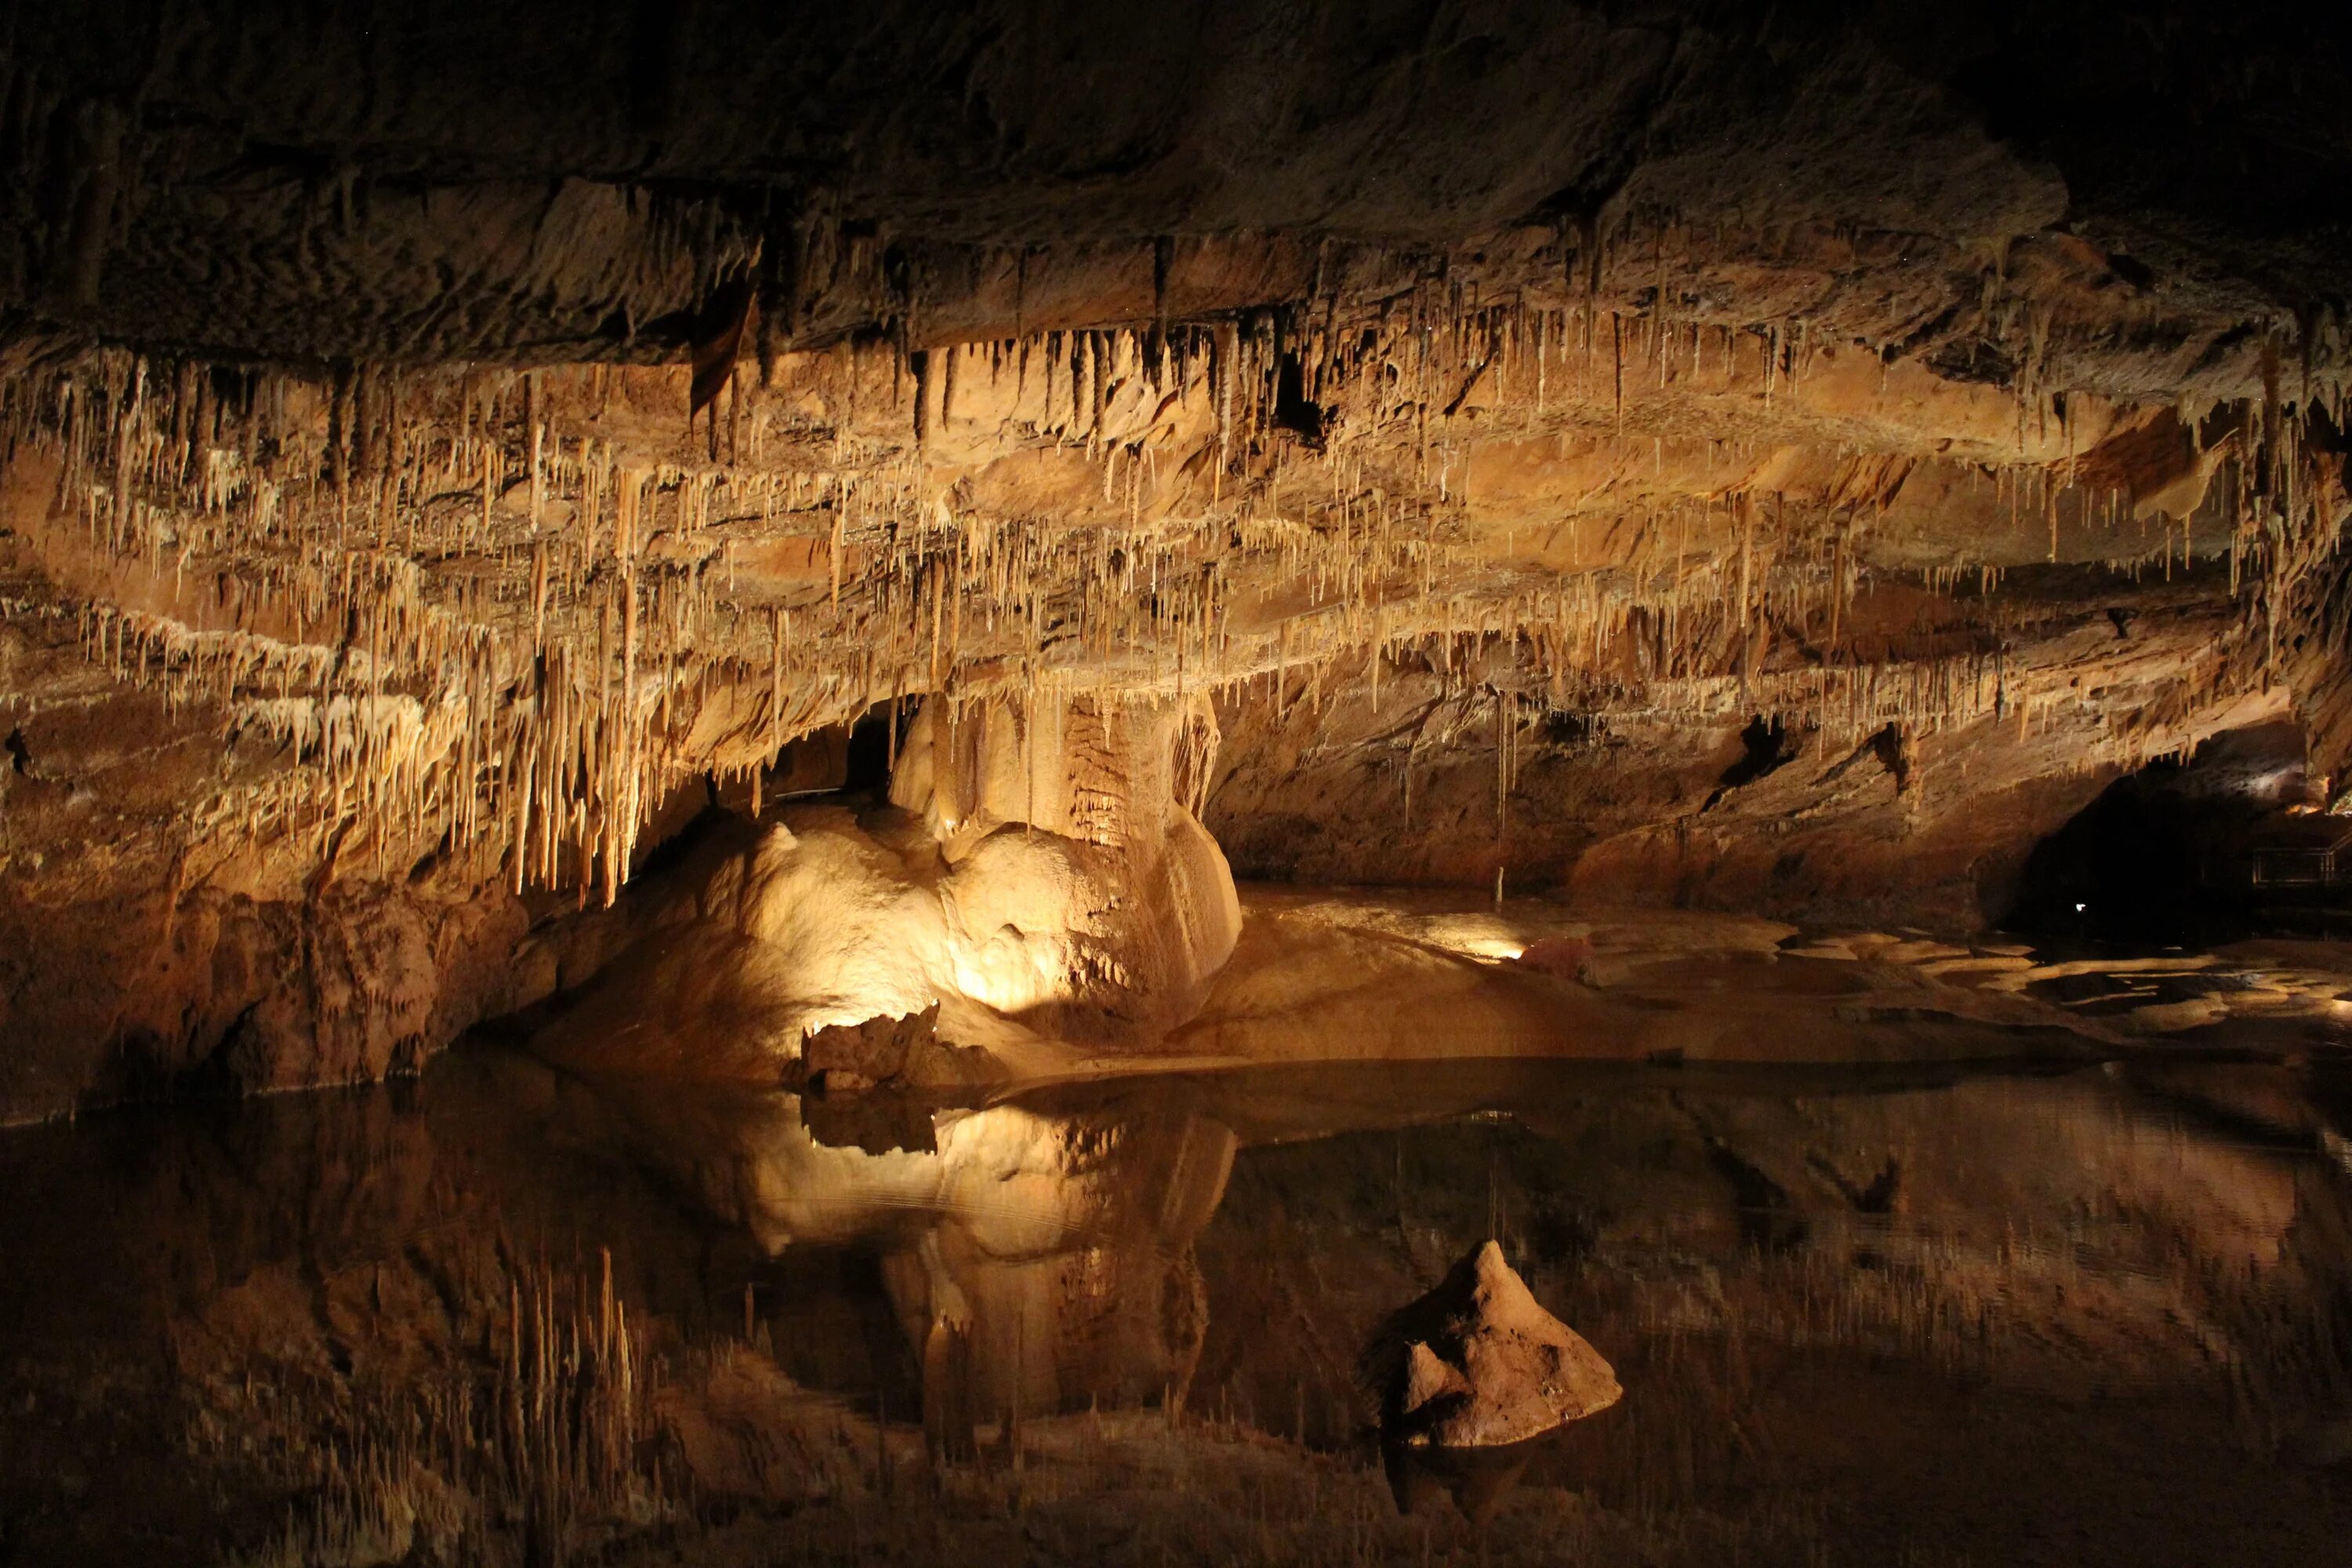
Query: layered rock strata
pixel 1774 462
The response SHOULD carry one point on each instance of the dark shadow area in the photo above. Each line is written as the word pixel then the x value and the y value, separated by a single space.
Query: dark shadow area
pixel 1766 747
pixel 2221 847
pixel 871 740
pixel 1293 409
pixel 672 849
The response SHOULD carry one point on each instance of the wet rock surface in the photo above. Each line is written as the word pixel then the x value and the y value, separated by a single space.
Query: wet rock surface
pixel 1478 1364
pixel 847 1058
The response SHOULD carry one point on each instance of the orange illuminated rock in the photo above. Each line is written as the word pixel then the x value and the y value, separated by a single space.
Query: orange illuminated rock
pixel 1478 1364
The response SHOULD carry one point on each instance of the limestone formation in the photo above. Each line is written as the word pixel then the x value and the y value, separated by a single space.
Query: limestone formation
pixel 1770 461
pixel 1099 918
pixel 1478 1364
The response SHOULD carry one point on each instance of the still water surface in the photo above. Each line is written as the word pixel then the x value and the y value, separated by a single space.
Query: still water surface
pixel 2100 1314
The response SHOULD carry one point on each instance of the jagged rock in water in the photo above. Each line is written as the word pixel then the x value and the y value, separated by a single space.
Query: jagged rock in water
pixel 1478 1364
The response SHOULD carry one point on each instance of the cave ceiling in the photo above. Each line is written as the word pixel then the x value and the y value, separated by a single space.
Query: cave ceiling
pixel 487 416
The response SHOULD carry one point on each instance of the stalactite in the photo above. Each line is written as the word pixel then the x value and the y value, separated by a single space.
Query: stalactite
pixel 565 690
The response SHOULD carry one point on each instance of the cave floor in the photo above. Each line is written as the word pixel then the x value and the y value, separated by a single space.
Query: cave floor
pixel 2012 1310
pixel 1335 974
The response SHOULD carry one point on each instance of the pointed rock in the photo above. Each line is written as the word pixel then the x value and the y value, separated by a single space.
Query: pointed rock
pixel 1477 1363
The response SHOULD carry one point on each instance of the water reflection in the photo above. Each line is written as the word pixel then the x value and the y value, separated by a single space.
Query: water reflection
pixel 1813 1281
pixel 1044 1254
pixel 1036 1255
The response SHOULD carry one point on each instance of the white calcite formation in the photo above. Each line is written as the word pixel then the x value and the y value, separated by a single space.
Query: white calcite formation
pixel 1097 919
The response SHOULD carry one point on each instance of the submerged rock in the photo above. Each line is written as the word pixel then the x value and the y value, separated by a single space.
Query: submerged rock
pixel 1478 1364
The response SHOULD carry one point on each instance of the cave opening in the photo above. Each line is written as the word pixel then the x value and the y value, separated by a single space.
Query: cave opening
pixel 1294 410
pixel 2226 844
pixel 867 759
pixel 1765 746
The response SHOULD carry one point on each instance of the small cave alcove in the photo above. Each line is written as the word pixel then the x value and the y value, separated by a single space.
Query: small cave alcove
pixel 1765 746
pixel 2223 845
pixel 834 760
pixel 850 762
pixel 872 740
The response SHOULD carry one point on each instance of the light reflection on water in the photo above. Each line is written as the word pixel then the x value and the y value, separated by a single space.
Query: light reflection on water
pixel 1799 1273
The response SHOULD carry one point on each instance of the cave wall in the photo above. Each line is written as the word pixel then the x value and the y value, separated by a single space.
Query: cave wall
pixel 1784 460
pixel 1448 773
pixel 144 955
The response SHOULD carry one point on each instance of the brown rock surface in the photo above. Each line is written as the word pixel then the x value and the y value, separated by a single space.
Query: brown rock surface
pixel 1773 461
pixel 1478 1364
pixel 867 1054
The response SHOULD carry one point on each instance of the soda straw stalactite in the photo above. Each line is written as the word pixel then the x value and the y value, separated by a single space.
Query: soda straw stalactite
pixel 501 607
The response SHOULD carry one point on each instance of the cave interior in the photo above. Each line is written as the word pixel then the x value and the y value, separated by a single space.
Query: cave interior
pixel 908 554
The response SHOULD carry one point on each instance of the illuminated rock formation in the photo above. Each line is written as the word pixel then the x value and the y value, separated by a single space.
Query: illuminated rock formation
pixel 1767 462
pixel 1097 916
pixel 1477 1363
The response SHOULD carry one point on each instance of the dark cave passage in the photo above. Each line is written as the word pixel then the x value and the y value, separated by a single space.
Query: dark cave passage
pixel 2222 846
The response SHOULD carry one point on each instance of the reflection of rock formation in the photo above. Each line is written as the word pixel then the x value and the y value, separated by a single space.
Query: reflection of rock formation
pixel 1477 1479
pixel 1040 876
pixel 1036 1261
pixel 2071 1268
